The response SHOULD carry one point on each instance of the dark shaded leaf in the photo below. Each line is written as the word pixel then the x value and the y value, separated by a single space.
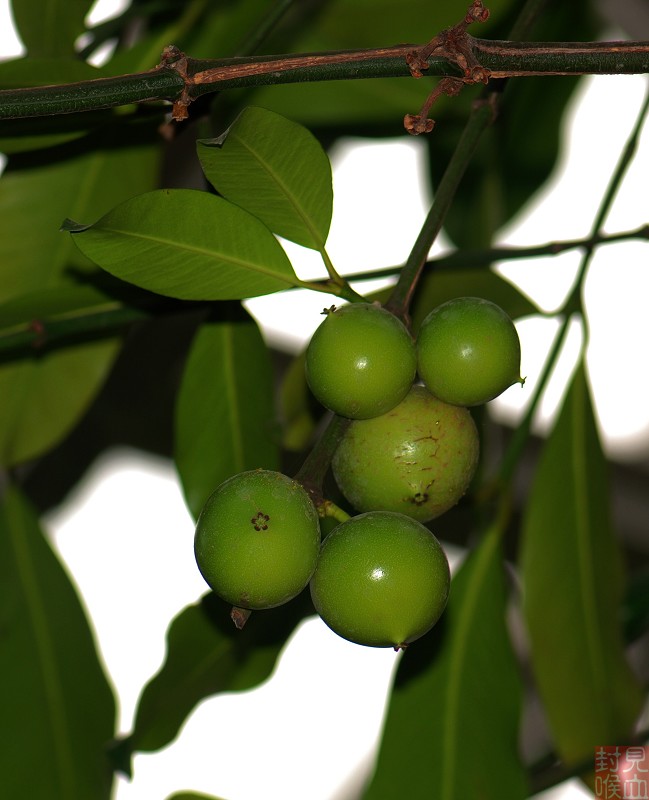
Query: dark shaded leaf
pixel 224 412
pixel 518 153
pixel 42 397
pixel 206 654
pixel 192 796
pixel 276 170
pixel 343 25
pixel 573 584
pixel 298 421
pixel 438 286
pixel 49 27
pixel 452 723
pixel 58 711
pixel 18 135
pixel 187 244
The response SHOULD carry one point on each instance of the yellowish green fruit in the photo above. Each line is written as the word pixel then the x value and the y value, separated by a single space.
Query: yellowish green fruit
pixel 418 459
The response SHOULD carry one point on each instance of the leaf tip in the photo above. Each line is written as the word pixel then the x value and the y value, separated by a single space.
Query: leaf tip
pixel 70 226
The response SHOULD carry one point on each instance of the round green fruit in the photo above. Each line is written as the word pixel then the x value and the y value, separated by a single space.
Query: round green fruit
pixel 361 361
pixel 257 539
pixel 418 459
pixel 382 580
pixel 468 351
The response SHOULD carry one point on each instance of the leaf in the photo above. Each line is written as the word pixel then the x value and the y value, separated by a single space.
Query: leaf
pixel 454 710
pixel 192 796
pixel 49 27
pixel 206 654
pixel 224 411
pixel 573 586
pixel 42 397
pixel 59 304
pixel 276 170
pixel 187 244
pixel 18 135
pixel 517 154
pixel 343 25
pixel 440 285
pixel 298 422
pixel 58 710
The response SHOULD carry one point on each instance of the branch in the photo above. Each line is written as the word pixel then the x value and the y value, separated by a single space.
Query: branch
pixel 470 259
pixel 180 79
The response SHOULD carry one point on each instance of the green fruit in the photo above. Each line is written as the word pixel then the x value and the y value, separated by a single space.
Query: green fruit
pixel 361 361
pixel 418 459
pixel 257 539
pixel 382 580
pixel 468 351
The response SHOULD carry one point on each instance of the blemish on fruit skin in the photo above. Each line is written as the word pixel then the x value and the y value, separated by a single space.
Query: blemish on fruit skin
pixel 260 521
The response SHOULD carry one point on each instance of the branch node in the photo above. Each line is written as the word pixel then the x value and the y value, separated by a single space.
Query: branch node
pixel 455 45
pixel 173 58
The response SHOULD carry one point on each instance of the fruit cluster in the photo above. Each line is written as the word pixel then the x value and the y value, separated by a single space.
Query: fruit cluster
pixel 380 578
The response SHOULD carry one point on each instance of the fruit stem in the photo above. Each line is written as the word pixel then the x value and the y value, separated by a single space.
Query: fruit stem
pixel 314 469
pixel 482 115
pixel 327 508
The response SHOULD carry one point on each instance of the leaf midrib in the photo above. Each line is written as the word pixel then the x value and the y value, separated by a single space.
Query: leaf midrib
pixel 212 254
pixel 305 218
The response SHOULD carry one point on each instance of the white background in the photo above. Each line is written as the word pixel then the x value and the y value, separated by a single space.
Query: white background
pixel 310 732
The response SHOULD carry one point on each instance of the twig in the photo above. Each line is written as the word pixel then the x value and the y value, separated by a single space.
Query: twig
pixel 503 59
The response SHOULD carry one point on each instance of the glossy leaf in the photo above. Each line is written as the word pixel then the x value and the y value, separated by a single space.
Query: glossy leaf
pixel 42 397
pixel 187 244
pixel 452 723
pixel 441 285
pixel 206 654
pixel 49 27
pixel 58 711
pixel 224 412
pixel 276 170
pixel 573 586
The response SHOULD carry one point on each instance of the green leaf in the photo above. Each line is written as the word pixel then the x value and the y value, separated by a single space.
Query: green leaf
pixel 296 401
pixel 340 25
pixel 454 711
pixel 49 28
pixel 276 170
pixel 19 135
pixel 224 411
pixel 79 182
pixel 573 586
pixel 438 286
pixel 58 710
pixel 206 654
pixel 187 244
pixel 41 398
pixel 192 796
pixel 517 154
